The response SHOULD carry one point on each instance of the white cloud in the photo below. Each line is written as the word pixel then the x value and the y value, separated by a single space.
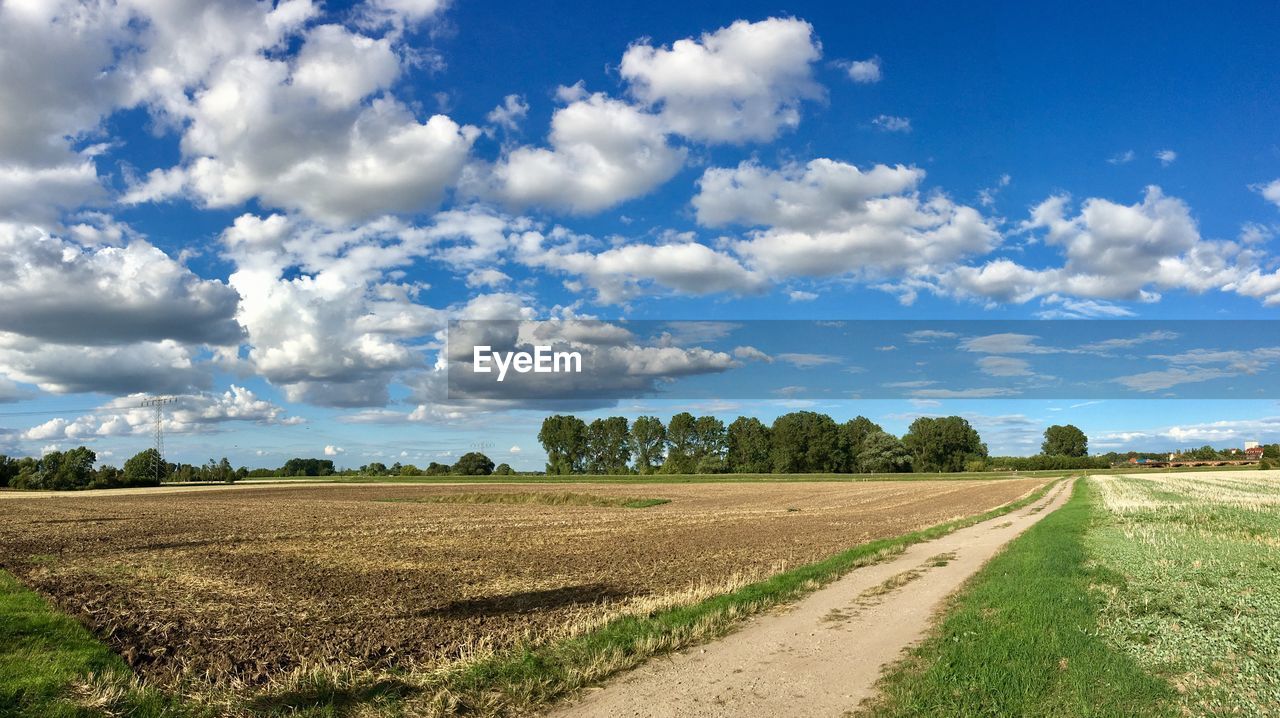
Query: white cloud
pixel 331 450
pixel 892 123
pixel 807 361
pixel 303 134
pixel 192 414
pixel 1119 252
pixel 864 72
pixel 1122 158
pixel 603 152
pixel 509 114
pixel 1004 366
pixel 1271 192
pixel 752 354
pixel 827 218
pixel 1166 157
pixel 797 295
pixel 64 292
pixel 514 450
pixel 624 272
pixel 740 83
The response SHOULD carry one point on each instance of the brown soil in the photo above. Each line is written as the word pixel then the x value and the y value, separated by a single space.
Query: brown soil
pixel 239 585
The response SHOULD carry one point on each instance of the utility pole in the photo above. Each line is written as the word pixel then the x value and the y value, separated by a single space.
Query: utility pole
pixel 158 403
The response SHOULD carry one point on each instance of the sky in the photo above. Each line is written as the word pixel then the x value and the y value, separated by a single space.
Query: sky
pixel 273 211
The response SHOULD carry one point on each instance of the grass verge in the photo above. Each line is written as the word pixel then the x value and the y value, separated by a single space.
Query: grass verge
pixel 520 681
pixel 542 498
pixel 52 667
pixel 1021 639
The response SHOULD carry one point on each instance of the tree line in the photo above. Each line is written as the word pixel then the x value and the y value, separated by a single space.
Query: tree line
pixel 795 443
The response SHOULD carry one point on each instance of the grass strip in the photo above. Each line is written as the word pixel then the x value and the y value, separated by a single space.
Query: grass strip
pixel 1021 639
pixel 52 667
pixel 519 681
pixel 543 498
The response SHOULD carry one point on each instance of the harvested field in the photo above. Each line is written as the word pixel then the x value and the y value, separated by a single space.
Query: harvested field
pixel 221 588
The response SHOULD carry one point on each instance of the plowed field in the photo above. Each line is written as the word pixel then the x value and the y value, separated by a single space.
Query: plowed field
pixel 222 587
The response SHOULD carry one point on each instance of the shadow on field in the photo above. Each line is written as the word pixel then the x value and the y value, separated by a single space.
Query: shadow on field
pixel 524 601
pixel 337 700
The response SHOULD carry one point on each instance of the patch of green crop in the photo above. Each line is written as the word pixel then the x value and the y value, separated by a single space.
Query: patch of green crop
pixel 1195 596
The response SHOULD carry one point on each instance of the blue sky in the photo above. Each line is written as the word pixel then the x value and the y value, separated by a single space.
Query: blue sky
pixel 273 210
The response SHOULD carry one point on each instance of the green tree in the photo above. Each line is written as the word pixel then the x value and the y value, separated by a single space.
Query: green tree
pixel 682 443
pixel 883 453
pixel 609 446
pixel 67 470
pixel 107 477
pixel 648 438
pixel 564 438
pixel 709 441
pixel 503 470
pixel 805 442
pixel 8 470
pixel 943 443
pixel 410 470
pixel 1064 440
pixel 141 469
pixel 473 463
pixel 436 468
pixel 855 432
pixel 748 446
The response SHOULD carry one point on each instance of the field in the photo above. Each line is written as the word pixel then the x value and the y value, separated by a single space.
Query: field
pixel 1199 603
pixel 1152 594
pixel 274 597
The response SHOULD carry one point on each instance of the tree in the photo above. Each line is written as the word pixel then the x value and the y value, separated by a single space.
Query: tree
pixel 748 446
pixel 503 470
pixel 1065 440
pixel 106 477
pixel 855 432
pixel 609 446
pixel 943 443
pixel 8 470
pixel 648 438
pixel 564 438
pixel 141 469
pixel 473 463
pixel 883 453
pixel 436 468
pixel 681 444
pixel 409 470
pixel 709 441
pixel 374 468
pixel 805 442
pixel 309 467
pixel 66 470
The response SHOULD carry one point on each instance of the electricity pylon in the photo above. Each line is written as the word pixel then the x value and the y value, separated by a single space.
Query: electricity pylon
pixel 158 403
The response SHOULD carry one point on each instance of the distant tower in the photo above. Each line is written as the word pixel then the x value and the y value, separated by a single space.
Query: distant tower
pixel 158 403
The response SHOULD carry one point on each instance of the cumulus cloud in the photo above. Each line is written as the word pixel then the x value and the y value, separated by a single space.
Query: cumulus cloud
pixel 864 72
pixel 509 114
pixel 1271 192
pixel 1115 251
pixel 741 83
pixel 827 218
pixel 603 151
pixel 164 366
pixel 622 273
pixel 61 291
pixel 318 133
pixel 1166 157
pixel 892 123
pixel 191 414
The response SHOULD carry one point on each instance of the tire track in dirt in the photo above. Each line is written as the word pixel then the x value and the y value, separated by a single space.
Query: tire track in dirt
pixel 822 655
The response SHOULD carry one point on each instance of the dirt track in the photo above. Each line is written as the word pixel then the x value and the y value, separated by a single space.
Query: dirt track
pixel 823 656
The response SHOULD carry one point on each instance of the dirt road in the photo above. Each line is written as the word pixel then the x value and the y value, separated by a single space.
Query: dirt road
pixel 822 656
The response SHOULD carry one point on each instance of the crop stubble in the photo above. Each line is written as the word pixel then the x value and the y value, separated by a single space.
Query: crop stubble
pixel 224 587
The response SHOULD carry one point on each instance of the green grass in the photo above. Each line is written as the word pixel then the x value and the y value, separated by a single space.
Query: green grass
pixel 51 667
pixel 1200 603
pixel 543 498
pixel 1021 639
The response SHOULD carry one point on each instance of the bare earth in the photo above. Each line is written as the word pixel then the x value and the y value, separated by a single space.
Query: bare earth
pixel 822 656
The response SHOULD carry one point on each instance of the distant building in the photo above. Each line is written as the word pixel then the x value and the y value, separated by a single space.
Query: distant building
pixel 1251 445
pixel 1253 452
